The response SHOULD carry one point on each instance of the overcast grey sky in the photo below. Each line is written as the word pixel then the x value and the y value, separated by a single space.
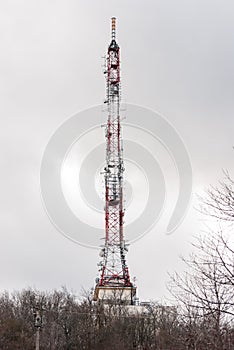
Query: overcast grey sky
pixel 177 58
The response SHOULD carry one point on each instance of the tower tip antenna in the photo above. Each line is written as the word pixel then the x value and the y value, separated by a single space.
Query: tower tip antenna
pixel 113 27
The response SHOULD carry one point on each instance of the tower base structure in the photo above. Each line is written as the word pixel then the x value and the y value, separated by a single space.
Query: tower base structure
pixel 115 295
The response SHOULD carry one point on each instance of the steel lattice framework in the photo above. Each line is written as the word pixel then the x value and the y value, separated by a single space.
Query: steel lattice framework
pixel 114 270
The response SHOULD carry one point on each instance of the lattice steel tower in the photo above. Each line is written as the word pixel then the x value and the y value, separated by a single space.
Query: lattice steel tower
pixel 114 281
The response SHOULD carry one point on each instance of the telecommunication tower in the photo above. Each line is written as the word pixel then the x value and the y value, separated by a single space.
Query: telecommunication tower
pixel 114 280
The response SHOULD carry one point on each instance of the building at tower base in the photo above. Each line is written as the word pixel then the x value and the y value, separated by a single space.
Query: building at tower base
pixel 120 295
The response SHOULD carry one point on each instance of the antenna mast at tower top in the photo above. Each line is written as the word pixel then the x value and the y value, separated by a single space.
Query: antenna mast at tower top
pixel 114 277
pixel 113 26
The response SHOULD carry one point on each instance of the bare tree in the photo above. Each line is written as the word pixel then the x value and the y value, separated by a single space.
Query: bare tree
pixel 206 289
pixel 219 200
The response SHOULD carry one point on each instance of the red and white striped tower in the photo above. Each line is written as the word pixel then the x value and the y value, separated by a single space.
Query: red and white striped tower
pixel 114 279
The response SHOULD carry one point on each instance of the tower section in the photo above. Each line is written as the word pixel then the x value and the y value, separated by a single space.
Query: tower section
pixel 114 281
